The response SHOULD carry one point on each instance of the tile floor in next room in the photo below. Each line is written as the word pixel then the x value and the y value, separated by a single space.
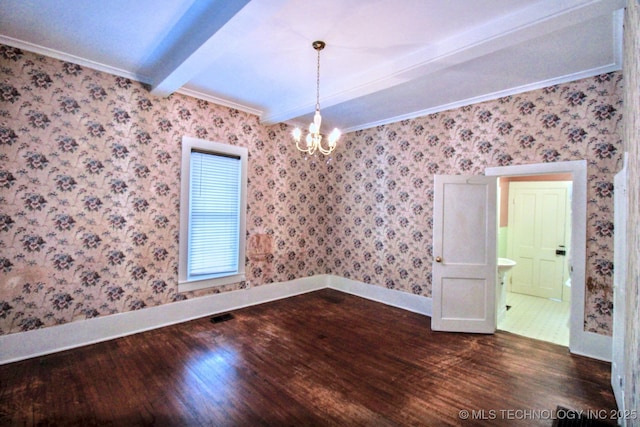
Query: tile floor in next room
pixel 539 318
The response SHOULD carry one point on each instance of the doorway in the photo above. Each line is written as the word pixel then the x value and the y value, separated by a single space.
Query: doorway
pixel 535 232
pixel 580 341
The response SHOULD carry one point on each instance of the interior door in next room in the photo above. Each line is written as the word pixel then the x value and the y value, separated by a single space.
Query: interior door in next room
pixel 537 239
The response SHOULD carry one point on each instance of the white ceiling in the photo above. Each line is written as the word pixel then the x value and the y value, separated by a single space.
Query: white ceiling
pixel 385 60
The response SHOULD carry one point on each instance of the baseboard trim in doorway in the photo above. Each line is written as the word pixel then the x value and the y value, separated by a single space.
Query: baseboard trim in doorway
pixel 592 345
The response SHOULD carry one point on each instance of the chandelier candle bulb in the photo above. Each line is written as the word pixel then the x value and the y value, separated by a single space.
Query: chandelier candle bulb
pixel 334 136
pixel 314 137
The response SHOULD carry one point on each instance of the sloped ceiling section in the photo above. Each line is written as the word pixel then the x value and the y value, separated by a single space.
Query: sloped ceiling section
pixel 385 60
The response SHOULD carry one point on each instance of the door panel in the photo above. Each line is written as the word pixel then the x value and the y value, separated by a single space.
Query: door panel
pixel 464 250
pixel 467 225
pixel 457 289
pixel 538 215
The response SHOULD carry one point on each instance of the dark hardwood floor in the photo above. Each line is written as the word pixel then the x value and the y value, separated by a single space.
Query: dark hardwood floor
pixel 319 359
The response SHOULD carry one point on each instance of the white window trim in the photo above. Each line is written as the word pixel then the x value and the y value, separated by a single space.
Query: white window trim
pixel 189 144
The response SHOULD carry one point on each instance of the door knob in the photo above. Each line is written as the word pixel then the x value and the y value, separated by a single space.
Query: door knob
pixel 438 259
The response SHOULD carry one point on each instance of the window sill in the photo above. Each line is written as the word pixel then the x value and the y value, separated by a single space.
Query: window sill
pixel 195 285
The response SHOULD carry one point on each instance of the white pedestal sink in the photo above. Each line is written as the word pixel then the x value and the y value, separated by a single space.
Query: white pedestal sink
pixel 504 265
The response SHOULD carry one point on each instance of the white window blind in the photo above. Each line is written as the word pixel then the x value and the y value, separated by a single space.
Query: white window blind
pixel 215 213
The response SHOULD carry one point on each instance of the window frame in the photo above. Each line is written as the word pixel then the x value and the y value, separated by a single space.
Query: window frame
pixel 189 145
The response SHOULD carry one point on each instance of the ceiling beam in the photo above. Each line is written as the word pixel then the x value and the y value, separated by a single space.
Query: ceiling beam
pixel 189 46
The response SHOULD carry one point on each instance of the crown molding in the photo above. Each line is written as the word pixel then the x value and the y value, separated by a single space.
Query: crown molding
pixel 615 66
pixel 40 50
pixel 220 101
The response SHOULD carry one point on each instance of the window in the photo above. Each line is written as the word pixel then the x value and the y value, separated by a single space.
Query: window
pixel 212 214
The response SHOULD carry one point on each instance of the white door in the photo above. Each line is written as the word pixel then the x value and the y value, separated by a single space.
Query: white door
pixel 537 237
pixel 464 251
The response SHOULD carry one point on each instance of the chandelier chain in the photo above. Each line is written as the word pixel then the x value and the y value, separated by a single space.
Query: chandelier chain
pixel 318 82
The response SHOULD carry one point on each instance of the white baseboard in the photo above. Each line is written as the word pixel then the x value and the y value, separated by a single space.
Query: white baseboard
pixel 410 302
pixel 24 345
pixel 592 345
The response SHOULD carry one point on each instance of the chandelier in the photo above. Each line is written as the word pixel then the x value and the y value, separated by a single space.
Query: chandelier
pixel 314 137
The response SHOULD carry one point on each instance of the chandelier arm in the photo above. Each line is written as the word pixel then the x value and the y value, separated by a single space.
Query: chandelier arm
pixel 323 150
pixel 309 150
pixel 304 150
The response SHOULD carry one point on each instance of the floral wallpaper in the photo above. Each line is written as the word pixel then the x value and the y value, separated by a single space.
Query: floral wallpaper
pixel 89 188
pixel 382 180
pixel 89 193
